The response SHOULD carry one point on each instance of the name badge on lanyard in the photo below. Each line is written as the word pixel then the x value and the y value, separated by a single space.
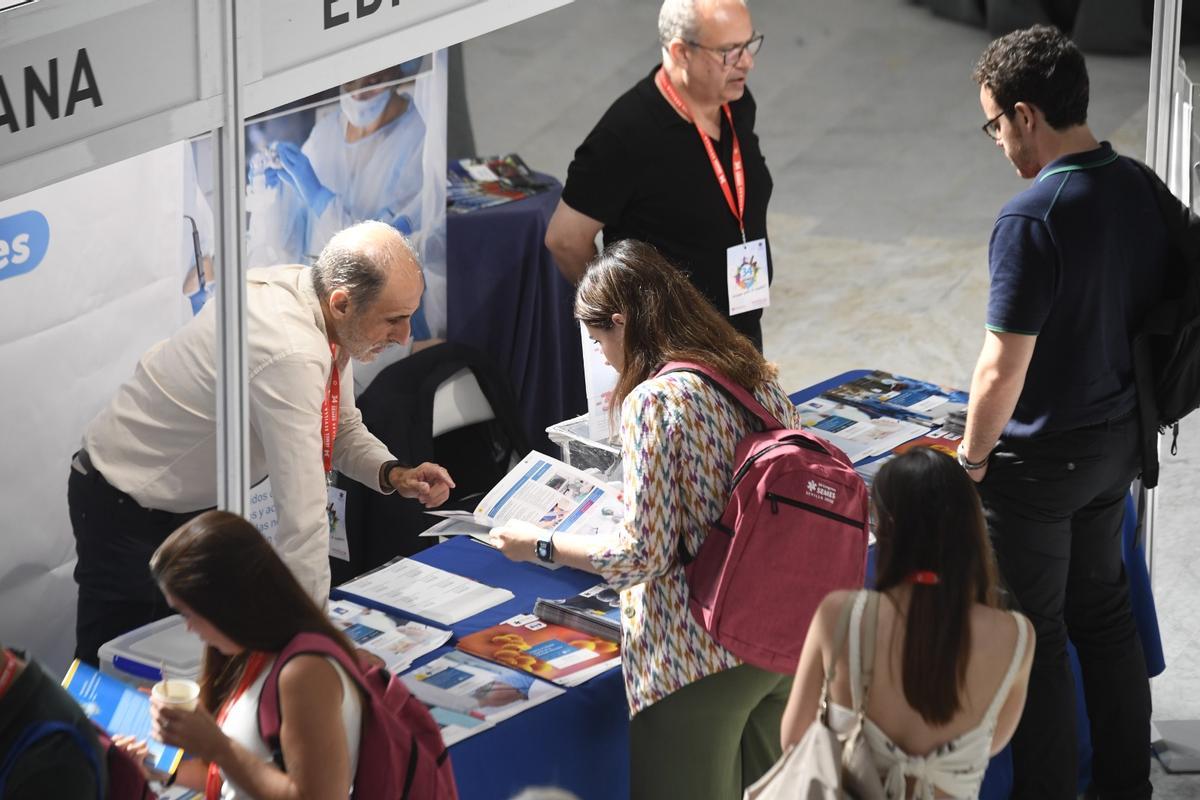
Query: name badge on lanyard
pixel 335 501
pixel 746 263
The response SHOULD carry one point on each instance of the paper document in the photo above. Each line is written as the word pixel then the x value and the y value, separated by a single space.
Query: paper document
pixel 397 641
pixel 417 589
pixel 466 694
pixel 548 493
pixel 119 709
pixel 878 434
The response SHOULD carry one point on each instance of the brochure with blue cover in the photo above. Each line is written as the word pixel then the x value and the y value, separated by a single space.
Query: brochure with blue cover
pixel 121 710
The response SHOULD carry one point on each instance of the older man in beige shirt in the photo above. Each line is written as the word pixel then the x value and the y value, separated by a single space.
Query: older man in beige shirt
pixel 148 461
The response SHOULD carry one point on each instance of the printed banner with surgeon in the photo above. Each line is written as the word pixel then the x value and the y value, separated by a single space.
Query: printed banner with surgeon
pixel 371 149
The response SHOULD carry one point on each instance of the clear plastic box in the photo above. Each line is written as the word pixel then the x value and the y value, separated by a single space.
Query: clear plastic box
pixel 579 451
pixel 138 657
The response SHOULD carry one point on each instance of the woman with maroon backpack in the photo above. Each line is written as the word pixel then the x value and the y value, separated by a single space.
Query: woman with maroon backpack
pixel 705 724
pixel 285 709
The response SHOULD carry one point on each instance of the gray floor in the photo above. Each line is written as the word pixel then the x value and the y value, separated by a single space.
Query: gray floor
pixel 885 192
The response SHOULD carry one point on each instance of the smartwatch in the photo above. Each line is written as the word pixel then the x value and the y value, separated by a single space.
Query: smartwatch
pixel 544 548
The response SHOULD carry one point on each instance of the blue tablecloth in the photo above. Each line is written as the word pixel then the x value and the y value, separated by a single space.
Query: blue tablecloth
pixel 506 297
pixel 578 741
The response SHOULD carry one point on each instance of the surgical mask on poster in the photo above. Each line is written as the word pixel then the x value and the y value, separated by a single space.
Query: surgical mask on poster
pixel 362 113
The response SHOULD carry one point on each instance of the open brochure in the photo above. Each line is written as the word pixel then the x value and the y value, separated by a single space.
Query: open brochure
pixel 595 610
pixel 564 655
pixel 545 492
pixel 121 710
pixel 857 432
pixel 466 694
pixel 898 396
pixel 414 589
pixel 397 641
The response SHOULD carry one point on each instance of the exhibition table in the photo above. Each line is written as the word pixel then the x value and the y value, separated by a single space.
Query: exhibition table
pixel 579 741
pixel 506 297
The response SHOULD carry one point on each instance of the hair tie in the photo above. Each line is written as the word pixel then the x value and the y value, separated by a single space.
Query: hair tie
pixel 924 577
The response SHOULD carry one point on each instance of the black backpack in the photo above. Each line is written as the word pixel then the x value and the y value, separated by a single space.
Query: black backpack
pixel 1166 350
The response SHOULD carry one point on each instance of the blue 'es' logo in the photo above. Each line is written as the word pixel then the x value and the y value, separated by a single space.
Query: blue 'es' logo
pixel 24 239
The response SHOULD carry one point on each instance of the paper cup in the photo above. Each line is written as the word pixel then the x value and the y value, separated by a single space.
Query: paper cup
pixel 178 693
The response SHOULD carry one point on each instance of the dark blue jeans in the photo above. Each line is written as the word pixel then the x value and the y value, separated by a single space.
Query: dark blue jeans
pixel 1055 506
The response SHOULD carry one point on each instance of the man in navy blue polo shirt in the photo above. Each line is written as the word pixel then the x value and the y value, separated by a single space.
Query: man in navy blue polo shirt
pixel 1052 436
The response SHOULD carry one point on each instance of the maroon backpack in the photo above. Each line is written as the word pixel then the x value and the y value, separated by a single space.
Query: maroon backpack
pixel 401 755
pixel 794 530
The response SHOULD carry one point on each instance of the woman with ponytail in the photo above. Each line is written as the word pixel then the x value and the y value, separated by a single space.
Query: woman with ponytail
pixel 950 669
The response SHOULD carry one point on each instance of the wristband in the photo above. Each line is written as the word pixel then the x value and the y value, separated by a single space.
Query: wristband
pixel 970 466
pixel 387 467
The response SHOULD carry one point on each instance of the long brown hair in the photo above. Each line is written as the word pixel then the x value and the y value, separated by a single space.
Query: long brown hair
pixel 225 571
pixel 666 319
pixel 928 518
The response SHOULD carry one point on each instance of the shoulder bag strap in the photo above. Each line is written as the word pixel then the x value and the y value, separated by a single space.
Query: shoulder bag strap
pixel 40 730
pixel 867 662
pixel 839 639
pixel 736 391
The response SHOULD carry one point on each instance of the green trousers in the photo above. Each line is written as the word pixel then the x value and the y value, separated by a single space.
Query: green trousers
pixel 710 739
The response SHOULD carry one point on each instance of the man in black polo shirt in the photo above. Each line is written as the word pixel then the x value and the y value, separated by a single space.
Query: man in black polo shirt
pixel 1052 436
pixel 675 162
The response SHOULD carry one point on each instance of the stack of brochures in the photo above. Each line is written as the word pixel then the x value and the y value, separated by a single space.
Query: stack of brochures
pixel 396 641
pixel 466 694
pixel 554 652
pixel 545 492
pixel 856 431
pixel 482 182
pixel 595 610
pixel 901 397
pixel 413 589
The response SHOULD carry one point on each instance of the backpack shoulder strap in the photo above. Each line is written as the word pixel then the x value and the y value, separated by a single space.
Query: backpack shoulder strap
pixel 269 717
pixel 40 730
pixel 734 390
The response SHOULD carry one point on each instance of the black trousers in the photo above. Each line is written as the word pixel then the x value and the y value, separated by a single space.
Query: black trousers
pixel 114 539
pixel 1055 506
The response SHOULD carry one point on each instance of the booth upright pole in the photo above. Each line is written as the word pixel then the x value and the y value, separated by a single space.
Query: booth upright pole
pixel 231 395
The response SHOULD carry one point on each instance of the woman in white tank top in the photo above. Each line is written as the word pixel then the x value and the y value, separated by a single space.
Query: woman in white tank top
pixel 950 668
pixel 240 598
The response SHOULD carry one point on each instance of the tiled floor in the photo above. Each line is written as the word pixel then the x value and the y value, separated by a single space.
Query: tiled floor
pixel 885 192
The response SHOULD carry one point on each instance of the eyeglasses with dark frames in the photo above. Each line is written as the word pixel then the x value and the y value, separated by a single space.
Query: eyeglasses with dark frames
pixel 732 54
pixel 992 127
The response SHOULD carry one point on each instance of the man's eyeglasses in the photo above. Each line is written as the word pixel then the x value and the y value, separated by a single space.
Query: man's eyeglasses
pixel 992 126
pixel 733 54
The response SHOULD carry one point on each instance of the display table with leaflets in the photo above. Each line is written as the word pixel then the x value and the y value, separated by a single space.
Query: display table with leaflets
pixel 506 297
pixel 579 740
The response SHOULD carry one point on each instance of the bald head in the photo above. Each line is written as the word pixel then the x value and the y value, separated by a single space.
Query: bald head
pixel 360 259
pixel 683 19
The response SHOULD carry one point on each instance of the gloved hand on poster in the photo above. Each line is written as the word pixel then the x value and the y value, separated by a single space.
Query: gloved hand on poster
pixel 298 171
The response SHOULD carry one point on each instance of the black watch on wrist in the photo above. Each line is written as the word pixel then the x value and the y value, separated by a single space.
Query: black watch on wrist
pixel 544 548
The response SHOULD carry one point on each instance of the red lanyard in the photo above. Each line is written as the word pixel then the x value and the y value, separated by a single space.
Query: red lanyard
pixel 254 666
pixel 739 171
pixel 9 673
pixel 329 414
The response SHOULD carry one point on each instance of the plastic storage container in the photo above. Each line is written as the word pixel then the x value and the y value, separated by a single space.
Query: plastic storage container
pixel 579 451
pixel 139 656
